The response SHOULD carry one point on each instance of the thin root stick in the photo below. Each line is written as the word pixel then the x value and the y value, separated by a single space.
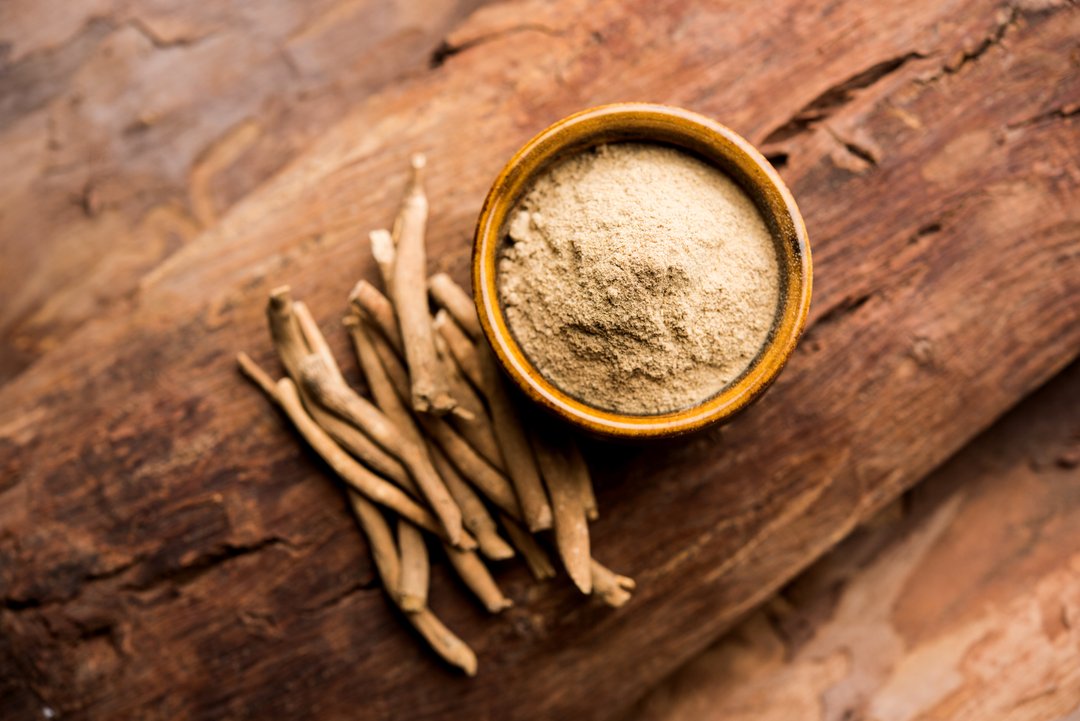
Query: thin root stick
pixel 295 337
pixel 492 483
pixel 384 253
pixel 461 347
pixel 446 644
pixel 415 576
pixel 342 400
pixel 441 639
pixel 316 341
pixel 568 506
pixel 430 392
pixel 380 539
pixel 474 513
pixel 610 587
pixel 579 472
pixel 373 487
pixel 536 558
pixel 514 444
pixel 375 307
pixel 360 478
pixel 451 296
pixel 390 400
pixel 476 576
pixel 509 432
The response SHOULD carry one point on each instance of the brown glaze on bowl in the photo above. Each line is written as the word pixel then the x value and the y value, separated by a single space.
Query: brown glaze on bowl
pixel 714 144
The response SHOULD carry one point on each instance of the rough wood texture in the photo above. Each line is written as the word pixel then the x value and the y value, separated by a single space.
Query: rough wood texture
pixel 169 551
pixel 960 602
pixel 129 127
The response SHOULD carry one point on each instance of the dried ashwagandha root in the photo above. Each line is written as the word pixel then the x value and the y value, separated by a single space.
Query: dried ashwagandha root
pixel 568 506
pixel 439 438
pixel 444 642
pixel 610 587
pixel 318 380
pixel 364 481
pixel 430 392
pixel 475 516
pixel 412 590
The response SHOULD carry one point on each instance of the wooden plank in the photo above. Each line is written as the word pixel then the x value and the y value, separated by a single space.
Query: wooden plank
pixel 168 551
pixel 960 602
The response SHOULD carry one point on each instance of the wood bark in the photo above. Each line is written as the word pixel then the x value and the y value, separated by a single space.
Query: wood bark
pixel 960 601
pixel 128 128
pixel 167 549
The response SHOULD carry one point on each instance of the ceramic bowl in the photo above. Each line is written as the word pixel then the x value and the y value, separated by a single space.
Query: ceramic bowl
pixel 714 144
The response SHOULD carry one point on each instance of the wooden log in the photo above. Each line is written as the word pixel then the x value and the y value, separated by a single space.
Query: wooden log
pixel 957 602
pixel 162 532
pixel 130 127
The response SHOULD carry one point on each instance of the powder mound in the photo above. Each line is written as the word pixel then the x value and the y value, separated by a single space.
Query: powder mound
pixel 638 278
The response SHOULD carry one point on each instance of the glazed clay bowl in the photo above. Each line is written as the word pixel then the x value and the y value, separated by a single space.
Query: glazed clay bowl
pixel 709 141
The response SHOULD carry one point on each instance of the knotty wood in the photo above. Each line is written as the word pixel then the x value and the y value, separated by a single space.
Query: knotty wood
pixel 960 602
pixel 169 551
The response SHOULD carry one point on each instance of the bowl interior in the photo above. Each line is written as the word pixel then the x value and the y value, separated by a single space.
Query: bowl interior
pixel 710 142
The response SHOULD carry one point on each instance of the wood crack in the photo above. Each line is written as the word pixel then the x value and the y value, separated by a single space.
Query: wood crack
pixel 446 49
pixel 1062 113
pixel 188 573
pixel 837 96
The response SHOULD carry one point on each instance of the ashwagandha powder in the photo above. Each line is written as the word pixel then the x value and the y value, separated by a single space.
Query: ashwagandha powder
pixel 638 278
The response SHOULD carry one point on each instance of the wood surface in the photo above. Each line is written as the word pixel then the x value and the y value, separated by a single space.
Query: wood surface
pixel 128 127
pixel 168 550
pixel 960 602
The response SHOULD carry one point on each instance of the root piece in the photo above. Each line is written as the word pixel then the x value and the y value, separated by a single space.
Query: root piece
pixel 372 305
pixel 461 347
pixel 360 478
pixel 342 400
pixel 380 539
pixel 452 649
pixel 314 338
pixel 352 440
pixel 579 472
pixel 483 476
pixel 477 577
pixel 492 483
pixel 610 587
pixel 568 506
pixel 449 295
pixel 415 576
pixel 517 456
pixel 295 337
pixel 477 430
pixel 516 452
pixel 441 639
pixel 536 558
pixel 474 513
pixel 430 392
pixel 382 249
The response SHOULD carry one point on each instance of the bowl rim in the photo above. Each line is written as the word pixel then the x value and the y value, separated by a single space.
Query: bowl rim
pixel 584 129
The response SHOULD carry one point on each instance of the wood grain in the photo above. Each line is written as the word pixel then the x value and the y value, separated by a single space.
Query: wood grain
pixel 129 127
pixel 169 551
pixel 959 602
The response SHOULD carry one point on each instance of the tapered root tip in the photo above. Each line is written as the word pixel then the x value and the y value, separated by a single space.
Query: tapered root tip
pixel 281 296
pixel 500 605
pixel 582 578
pixel 542 521
pixel 411 604
pixel 418 161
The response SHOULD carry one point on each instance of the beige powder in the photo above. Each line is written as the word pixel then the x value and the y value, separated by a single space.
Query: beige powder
pixel 638 278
